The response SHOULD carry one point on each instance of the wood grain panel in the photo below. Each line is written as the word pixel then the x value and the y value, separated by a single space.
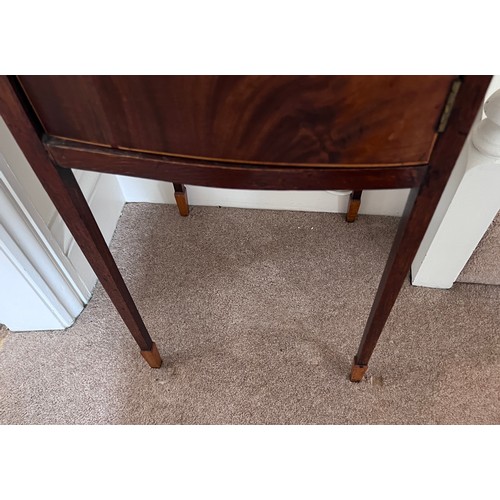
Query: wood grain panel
pixel 293 120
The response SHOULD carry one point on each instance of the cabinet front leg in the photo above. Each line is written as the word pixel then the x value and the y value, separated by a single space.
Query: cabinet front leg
pixel 65 193
pixel 410 233
pixel 80 221
pixel 420 207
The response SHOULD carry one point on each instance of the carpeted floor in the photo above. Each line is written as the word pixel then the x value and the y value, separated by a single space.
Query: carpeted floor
pixel 484 264
pixel 257 315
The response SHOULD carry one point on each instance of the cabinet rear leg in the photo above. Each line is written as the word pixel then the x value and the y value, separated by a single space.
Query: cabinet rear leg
pixel 354 204
pixel 181 199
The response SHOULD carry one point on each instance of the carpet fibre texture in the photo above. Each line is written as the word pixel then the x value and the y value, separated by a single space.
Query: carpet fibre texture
pixel 257 315
pixel 484 264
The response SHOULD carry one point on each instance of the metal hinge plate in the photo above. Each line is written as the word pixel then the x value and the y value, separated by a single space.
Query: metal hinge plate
pixel 443 122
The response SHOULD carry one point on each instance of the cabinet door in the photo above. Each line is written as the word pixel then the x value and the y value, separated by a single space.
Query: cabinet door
pixel 367 120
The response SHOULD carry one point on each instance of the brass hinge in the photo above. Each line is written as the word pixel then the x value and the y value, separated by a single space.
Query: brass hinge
pixel 443 122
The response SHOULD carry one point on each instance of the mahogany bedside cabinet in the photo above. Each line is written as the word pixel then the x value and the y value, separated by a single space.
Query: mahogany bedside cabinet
pixel 251 132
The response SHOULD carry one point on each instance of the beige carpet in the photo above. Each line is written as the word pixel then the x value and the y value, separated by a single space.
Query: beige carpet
pixel 484 264
pixel 257 315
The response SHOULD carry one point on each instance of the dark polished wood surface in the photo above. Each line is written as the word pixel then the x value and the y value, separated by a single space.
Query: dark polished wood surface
pixel 288 120
pixel 68 154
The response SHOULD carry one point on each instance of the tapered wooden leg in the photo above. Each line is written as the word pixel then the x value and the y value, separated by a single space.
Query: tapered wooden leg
pixel 410 233
pixel 181 199
pixel 354 204
pixel 418 213
pixel 89 237
pixel 65 193
pixel 420 207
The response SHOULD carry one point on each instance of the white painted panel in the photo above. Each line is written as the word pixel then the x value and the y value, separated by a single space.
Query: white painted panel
pixel 21 307
pixel 20 215
pixel 474 206
pixel 146 190
pixel 88 183
pixel 29 248
pixel 384 202
pixel 40 289
pixel 106 202
pixel 24 173
pixel 440 213
pixel 469 204
pixel 26 300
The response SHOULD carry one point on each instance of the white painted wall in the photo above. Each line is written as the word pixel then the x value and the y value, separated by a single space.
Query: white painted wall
pixel 379 202
pixel 24 173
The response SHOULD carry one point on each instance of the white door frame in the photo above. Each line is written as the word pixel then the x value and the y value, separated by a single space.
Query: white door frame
pixel 47 289
pixel 45 281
